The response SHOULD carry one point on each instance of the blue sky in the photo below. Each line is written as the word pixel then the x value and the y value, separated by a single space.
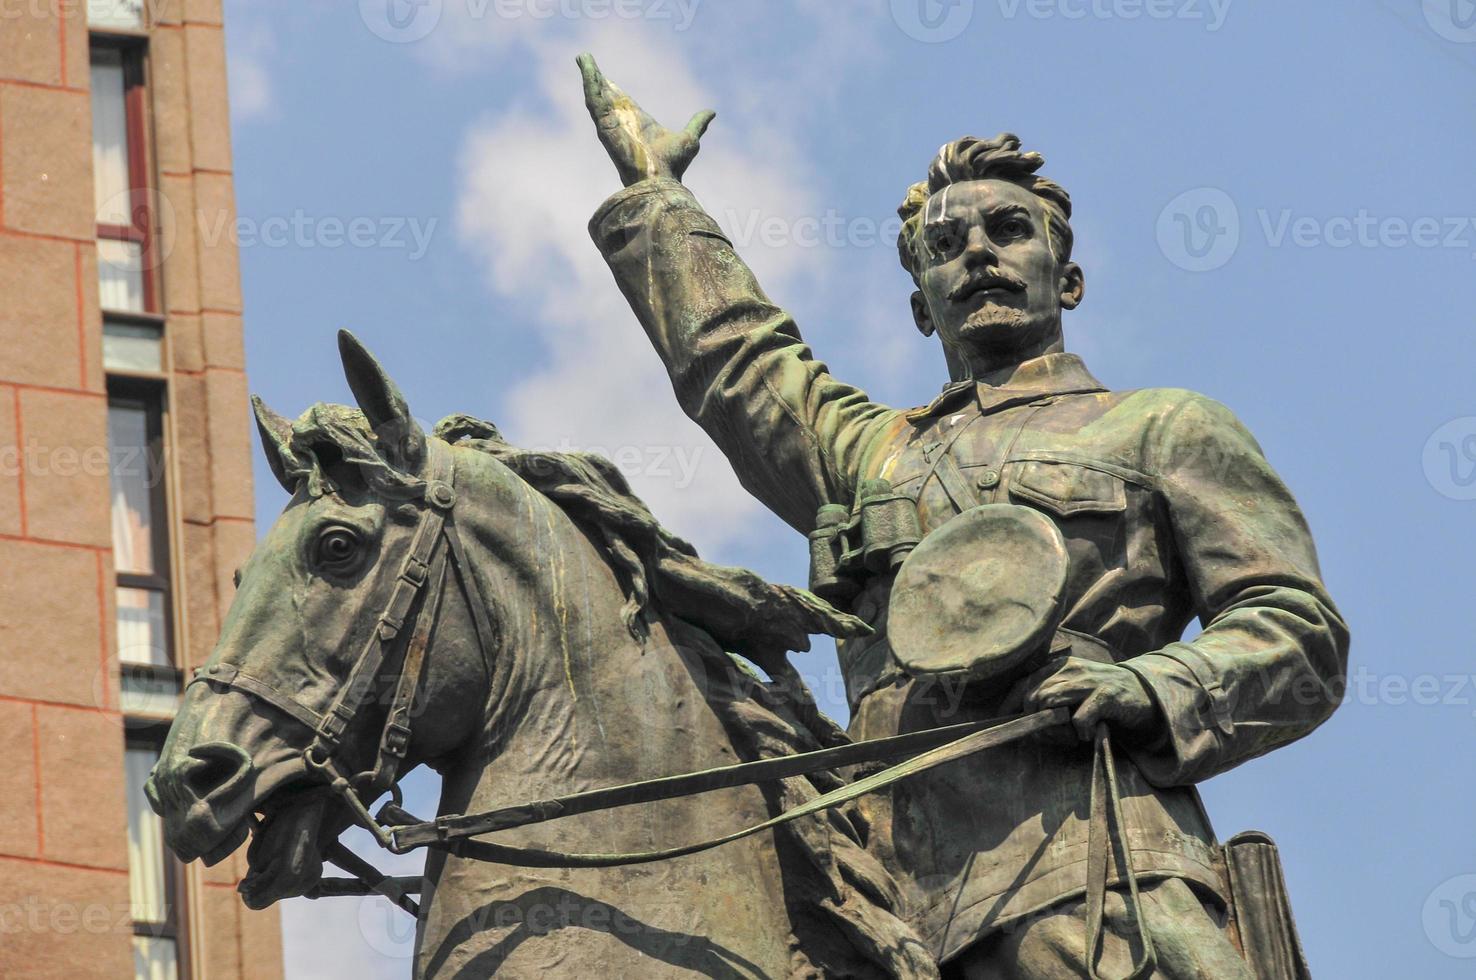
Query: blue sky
pixel 1273 206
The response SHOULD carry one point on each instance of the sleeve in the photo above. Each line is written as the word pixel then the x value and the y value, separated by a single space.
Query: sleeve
pixel 796 437
pixel 1270 664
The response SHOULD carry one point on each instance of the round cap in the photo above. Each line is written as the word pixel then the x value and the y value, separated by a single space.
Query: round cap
pixel 979 595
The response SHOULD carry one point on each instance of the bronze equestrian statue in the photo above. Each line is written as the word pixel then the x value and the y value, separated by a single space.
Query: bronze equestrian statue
pixel 625 795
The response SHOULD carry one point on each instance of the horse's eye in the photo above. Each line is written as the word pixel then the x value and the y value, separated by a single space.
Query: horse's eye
pixel 337 549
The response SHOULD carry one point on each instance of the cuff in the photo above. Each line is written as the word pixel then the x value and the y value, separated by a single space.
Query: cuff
pixel 634 196
pixel 1195 711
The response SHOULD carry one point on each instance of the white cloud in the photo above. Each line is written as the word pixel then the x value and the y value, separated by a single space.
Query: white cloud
pixel 251 88
pixel 249 77
pixel 531 177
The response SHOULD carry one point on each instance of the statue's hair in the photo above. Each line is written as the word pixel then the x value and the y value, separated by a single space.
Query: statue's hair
pixel 972 158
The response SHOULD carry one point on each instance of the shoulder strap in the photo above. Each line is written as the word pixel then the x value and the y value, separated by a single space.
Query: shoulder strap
pixel 959 492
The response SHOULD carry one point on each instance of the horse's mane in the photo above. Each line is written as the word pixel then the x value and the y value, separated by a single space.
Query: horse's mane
pixel 742 612
pixel 850 896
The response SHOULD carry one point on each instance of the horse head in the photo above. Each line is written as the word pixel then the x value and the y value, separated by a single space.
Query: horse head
pixel 286 700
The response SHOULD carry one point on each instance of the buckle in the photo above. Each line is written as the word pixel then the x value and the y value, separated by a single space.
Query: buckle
pixel 330 732
pixel 396 739
pixel 414 570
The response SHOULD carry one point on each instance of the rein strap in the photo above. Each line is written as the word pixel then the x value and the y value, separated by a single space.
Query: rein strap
pixel 452 833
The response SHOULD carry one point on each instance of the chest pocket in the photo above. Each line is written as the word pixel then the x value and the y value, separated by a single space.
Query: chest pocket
pixel 1067 489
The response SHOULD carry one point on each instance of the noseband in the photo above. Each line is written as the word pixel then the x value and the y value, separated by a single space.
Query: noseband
pixel 414 601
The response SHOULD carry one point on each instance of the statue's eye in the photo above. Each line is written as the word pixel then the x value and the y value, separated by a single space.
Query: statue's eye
pixel 942 240
pixel 337 549
pixel 1013 228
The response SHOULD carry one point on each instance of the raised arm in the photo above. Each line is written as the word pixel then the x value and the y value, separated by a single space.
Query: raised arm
pixel 796 437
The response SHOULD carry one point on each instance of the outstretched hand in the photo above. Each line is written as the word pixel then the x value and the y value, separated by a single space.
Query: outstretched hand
pixel 638 145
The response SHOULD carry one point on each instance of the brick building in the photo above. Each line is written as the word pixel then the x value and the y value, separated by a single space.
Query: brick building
pixel 125 480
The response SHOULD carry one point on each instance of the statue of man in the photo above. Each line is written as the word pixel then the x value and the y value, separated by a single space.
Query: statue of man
pixel 1166 505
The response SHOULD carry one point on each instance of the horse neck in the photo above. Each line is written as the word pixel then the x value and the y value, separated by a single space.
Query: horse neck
pixel 578 701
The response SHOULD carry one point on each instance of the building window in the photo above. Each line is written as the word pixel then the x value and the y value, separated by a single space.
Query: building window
pixel 120 173
pixel 114 14
pixel 154 875
pixel 141 546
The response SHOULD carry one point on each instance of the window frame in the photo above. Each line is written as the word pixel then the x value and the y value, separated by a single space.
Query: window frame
pixel 150 394
pixel 150 734
pixel 132 49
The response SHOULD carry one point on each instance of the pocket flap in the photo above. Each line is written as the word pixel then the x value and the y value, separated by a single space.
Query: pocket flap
pixel 1067 489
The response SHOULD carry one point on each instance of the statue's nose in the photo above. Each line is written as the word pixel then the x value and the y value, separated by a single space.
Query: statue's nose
pixel 151 793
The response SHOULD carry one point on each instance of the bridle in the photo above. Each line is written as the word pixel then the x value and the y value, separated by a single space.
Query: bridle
pixel 414 601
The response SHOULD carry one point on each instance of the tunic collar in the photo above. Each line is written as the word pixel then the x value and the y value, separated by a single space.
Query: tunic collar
pixel 1040 377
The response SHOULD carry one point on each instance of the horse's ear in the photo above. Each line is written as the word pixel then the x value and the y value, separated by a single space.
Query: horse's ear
pixel 382 404
pixel 276 442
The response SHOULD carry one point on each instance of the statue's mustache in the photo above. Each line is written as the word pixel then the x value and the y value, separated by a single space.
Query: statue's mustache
pixel 989 279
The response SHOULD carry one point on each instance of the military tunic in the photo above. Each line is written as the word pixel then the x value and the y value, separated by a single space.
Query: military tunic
pixel 1169 511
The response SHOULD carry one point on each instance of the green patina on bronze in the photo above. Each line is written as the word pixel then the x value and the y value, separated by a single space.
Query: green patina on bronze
pixel 1167 508
pixel 1029 544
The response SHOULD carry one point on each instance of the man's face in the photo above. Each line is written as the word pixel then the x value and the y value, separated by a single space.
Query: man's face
pixel 990 280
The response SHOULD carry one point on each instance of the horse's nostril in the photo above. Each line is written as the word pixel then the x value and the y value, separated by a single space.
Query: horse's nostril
pixel 215 769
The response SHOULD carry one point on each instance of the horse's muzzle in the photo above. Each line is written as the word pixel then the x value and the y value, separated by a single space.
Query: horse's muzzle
pixel 205 797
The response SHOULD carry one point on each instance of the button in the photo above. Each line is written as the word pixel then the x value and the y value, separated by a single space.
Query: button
pixel 989 479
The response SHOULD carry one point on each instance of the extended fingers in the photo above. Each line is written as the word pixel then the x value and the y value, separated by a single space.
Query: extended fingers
pixel 596 88
pixel 699 122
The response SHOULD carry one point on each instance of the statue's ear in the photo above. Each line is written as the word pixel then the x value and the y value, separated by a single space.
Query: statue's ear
pixel 399 435
pixel 1073 286
pixel 921 315
pixel 276 442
